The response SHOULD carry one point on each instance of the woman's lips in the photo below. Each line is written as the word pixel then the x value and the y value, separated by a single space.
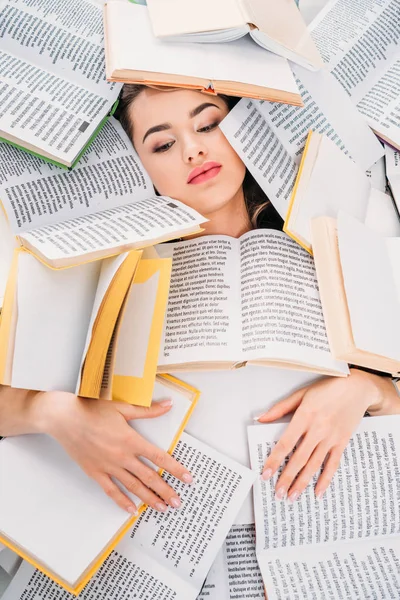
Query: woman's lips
pixel 204 173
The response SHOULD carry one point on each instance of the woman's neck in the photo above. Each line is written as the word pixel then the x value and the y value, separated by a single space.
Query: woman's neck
pixel 232 219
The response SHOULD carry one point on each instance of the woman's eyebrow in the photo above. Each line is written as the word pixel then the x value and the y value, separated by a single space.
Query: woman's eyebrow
pixel 155 129
pixel 196 111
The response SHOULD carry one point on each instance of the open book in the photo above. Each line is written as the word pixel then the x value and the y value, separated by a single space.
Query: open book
pixel 253 299
pixel 346 545
pixel 270 137
pixel 275 25
pixel 57 327
pixel 327 181
pixel 106 205
pixel 69 526
pixel 348 35
pixel 241 68
pixel 54 94
pixel 359 284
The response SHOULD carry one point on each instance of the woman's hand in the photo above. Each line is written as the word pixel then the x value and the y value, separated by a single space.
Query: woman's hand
pixel 95 433
pixel 326 415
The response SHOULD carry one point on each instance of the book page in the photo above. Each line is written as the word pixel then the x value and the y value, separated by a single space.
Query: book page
pixel 54 92
pixel 235 573
pixel 202 318
pixel 270 137
pixel 135 330
pixel 281 310
pixel 124 227
pixel 393 172
pixel 8 243
pixel 382 215
pixel 349 35
pixel 209 507
pixel 328 110
pixel 54 309
pixel 377 174
pixel 362 569
pixel 363 494
pixel 371 292
pixel 37 194
pixel 241 395
pixel 57 486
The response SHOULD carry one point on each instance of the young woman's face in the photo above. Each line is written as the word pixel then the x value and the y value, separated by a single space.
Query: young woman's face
pixel 177 137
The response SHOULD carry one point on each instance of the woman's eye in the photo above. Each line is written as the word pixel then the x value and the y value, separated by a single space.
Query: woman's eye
pixel 208 127
pixel 164 147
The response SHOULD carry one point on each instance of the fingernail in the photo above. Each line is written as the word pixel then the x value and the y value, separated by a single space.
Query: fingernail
pixel 293 496
pixel 168 402
pixel 160 506
pixel 267 474
pixel 319 495
pixel 133 510
pixel 280 494
pixel 187 478
pixel 175 502
pixel 258 417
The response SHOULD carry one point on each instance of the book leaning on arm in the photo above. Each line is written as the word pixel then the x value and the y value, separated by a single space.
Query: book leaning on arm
pixel 240 68
pixel 106 205
pixel 344 545
pixel 327 181
pixel 254 299
pixel 69 526
pixel 57 327
pixel 359 284
pixel 275 25
pixel 53 91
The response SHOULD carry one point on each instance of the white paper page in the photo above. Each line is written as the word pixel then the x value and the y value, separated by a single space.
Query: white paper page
pixel 54 91
pixel 393 172
pixel 241 60
pixel 202 317
pixel 353 34
pixel 382 215
pixel 362 569
pixel 54 309
pixel 134 225
pixel 127 575
pixel 36 193
pixel 9 561
pixel 8 243
pixel 336 183
pixel 235 572
pixel 377 174
pixel 363 495
pixel 135 330
pixel 327 109
pixel 281 311
pixel 372 299
pixel 233 398
pixel 108 270
pixel 77 28
pixel 64 504
pixel 209 507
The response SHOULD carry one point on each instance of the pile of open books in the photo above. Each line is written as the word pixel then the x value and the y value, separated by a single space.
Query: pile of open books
pixel 93 302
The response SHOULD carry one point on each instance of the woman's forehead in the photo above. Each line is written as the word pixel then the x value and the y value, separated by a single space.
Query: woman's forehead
pixel 153 104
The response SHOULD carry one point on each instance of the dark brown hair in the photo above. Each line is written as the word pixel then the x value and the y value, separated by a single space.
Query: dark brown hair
pixel 260 210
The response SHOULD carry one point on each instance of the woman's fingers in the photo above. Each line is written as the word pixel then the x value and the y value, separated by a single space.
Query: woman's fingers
pixel 130 411
pixel 164 461
pixel 330 468
pixel 297 463
pixel 284 446
pixel 152 480
pixel 283 407
pixel 139 489
pixel 307 473
pixel 113 491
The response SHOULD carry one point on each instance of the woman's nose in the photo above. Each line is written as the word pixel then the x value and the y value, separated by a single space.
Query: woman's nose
pixel 194 152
